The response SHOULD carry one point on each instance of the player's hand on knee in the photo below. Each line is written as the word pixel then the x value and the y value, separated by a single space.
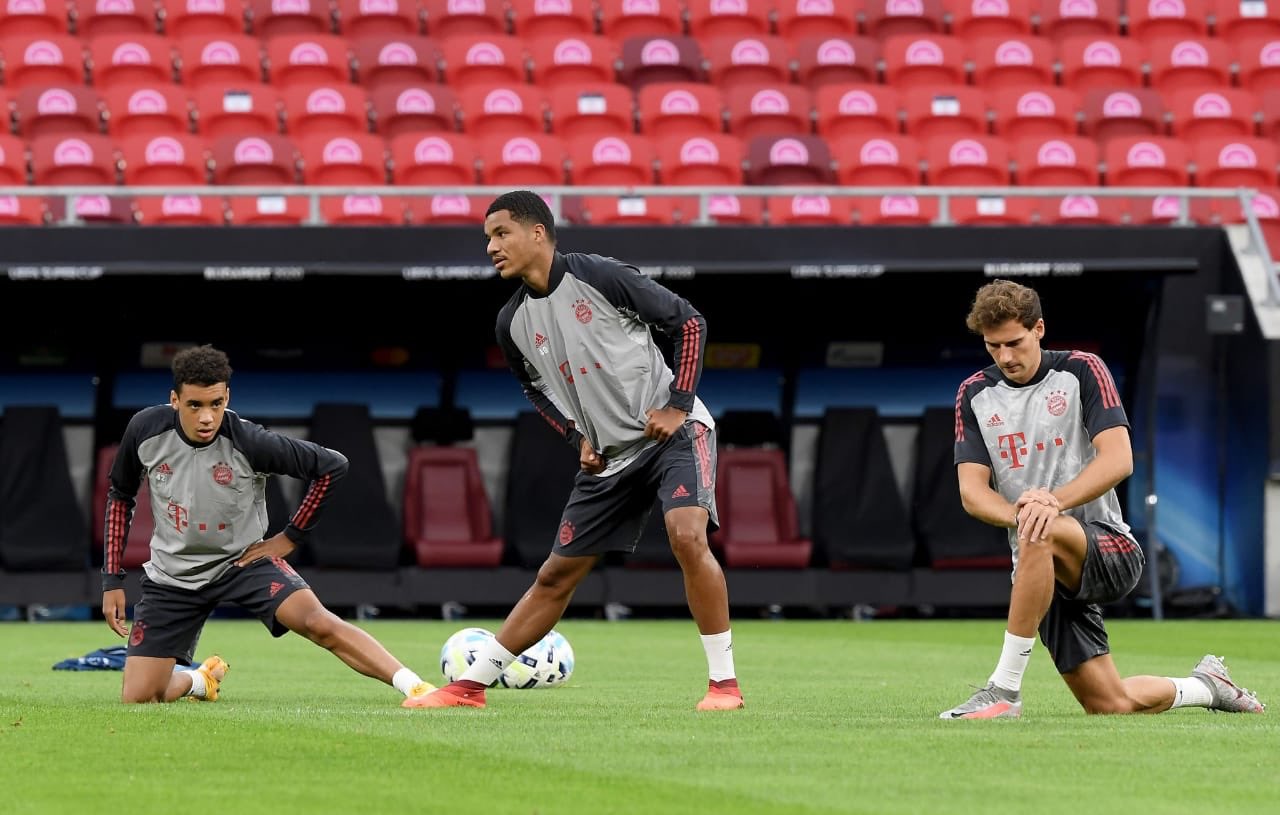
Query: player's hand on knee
pixel 1035 520
pixel 1038 495
pixel 113 604
pixel 590 461
pixel 275 546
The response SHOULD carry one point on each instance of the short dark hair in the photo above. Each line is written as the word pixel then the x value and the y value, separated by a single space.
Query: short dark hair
pixel 1000 301
pixel 526 207
pixel 202 365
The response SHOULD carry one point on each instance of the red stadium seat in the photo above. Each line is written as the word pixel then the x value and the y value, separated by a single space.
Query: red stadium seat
pixel 347 159
pixel 971 19
pixel 205 18
pixel 1011 62
pixel 58 109
pixel 747 61
pixel 13 161
pixel 680 108
pixel 1188 63
pixel 728 18
pixel 1269 118
pixel 105 18
pixel 923 60
pixel 448 210
pixel 378 18
pixel 768 110
pixel 254 160
pixel 1245 19
pixel 79 159
pixel 227 60
pixel 967 161
pixel 758 526
pixel 389 60
pixel 660 59
pixel 625 210
pixel 847 110
pixel 896 210
pixel 992 210
pixel 176 159
pixel 784 160
pixel 95 209
pixel 1043 111
pixel 147 110
pixel 1101 62
pixel 325 109
pixel 531 19
pixel 1140 161
pixel 237 110
pixel 447 19
pixel 623 160
pixel 1127 112
pixel 1259 61
pixel 1154 19
pixel 53 59
pixel 726 209
pixel 620 19
pixel 836 60
pixel 363 210
pixel 810 210
pixel 1210 112
pixel 278 18
pixel 1057 161
pixel 308 59
pixel 433 159
pixel 483 60
pixel 946 110
pixel 34 18
pixel 1236 162
pixel 573 61
pixel 816 18
pixel 447 521
pixel 130 60
pixel 877 160
pixel 267 210
pixel 181 210
pixel 502 110
pixel 24 211
pixel 1060 19
pixel 707 159
pixel 527 159
pixel 413 109
pixel 1081 210
pixel 600 109
pixel 890 18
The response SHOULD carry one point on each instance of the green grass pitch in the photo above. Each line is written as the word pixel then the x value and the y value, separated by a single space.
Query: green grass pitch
pixel 840 718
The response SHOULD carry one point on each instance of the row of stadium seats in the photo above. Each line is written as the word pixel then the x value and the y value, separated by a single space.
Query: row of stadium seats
pixel 660 112
pixel 790 210
pixel 441 159
pixel 464 61
pixel 622 18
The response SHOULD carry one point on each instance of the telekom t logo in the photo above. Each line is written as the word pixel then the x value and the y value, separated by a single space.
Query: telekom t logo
pixel 1010 445
pixel 178 514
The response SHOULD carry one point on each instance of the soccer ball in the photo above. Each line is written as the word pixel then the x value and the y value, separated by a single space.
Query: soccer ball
pixel 460 649
pixel 545 664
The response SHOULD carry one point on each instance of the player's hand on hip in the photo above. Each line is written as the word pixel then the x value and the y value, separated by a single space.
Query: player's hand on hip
pixel 113 603
pixel 589 460
pixel 664 422
pixel 275 546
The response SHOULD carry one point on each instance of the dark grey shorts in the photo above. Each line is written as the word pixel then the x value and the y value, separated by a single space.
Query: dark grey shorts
pixel 1072 630
pixel 609 514
pixel 167 621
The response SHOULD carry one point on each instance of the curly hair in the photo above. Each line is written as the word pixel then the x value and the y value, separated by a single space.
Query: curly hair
pixel 1000 301
pixel 527 208
pixel 202 365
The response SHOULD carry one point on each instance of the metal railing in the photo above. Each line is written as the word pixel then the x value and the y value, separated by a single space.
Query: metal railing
pixel 557 195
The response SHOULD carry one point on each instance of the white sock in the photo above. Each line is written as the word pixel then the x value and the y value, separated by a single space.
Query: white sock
pixel 404 680
pixel 198 689
pixel 1190 692
pixel 491 660
pixel 1014 657
pixel 719 648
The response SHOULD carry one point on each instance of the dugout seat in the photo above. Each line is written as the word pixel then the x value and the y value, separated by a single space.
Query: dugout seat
pixel 758 525
pixel 447 521
pixel 540 477
pixel 41 525
pixel 137 550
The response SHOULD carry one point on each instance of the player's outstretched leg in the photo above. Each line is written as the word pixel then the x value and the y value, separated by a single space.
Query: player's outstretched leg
pixel 1227 695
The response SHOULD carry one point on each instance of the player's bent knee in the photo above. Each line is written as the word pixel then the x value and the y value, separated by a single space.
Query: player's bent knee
pixel 141 696
pixel 1107 706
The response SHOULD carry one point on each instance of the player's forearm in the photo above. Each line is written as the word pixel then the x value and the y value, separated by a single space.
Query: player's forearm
pixel 1097 478
pixel 988 506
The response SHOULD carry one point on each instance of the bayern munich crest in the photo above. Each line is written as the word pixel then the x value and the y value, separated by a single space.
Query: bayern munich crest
pixel 582 310
pixel 566 533
pixel 1057 403
pixel 222 473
